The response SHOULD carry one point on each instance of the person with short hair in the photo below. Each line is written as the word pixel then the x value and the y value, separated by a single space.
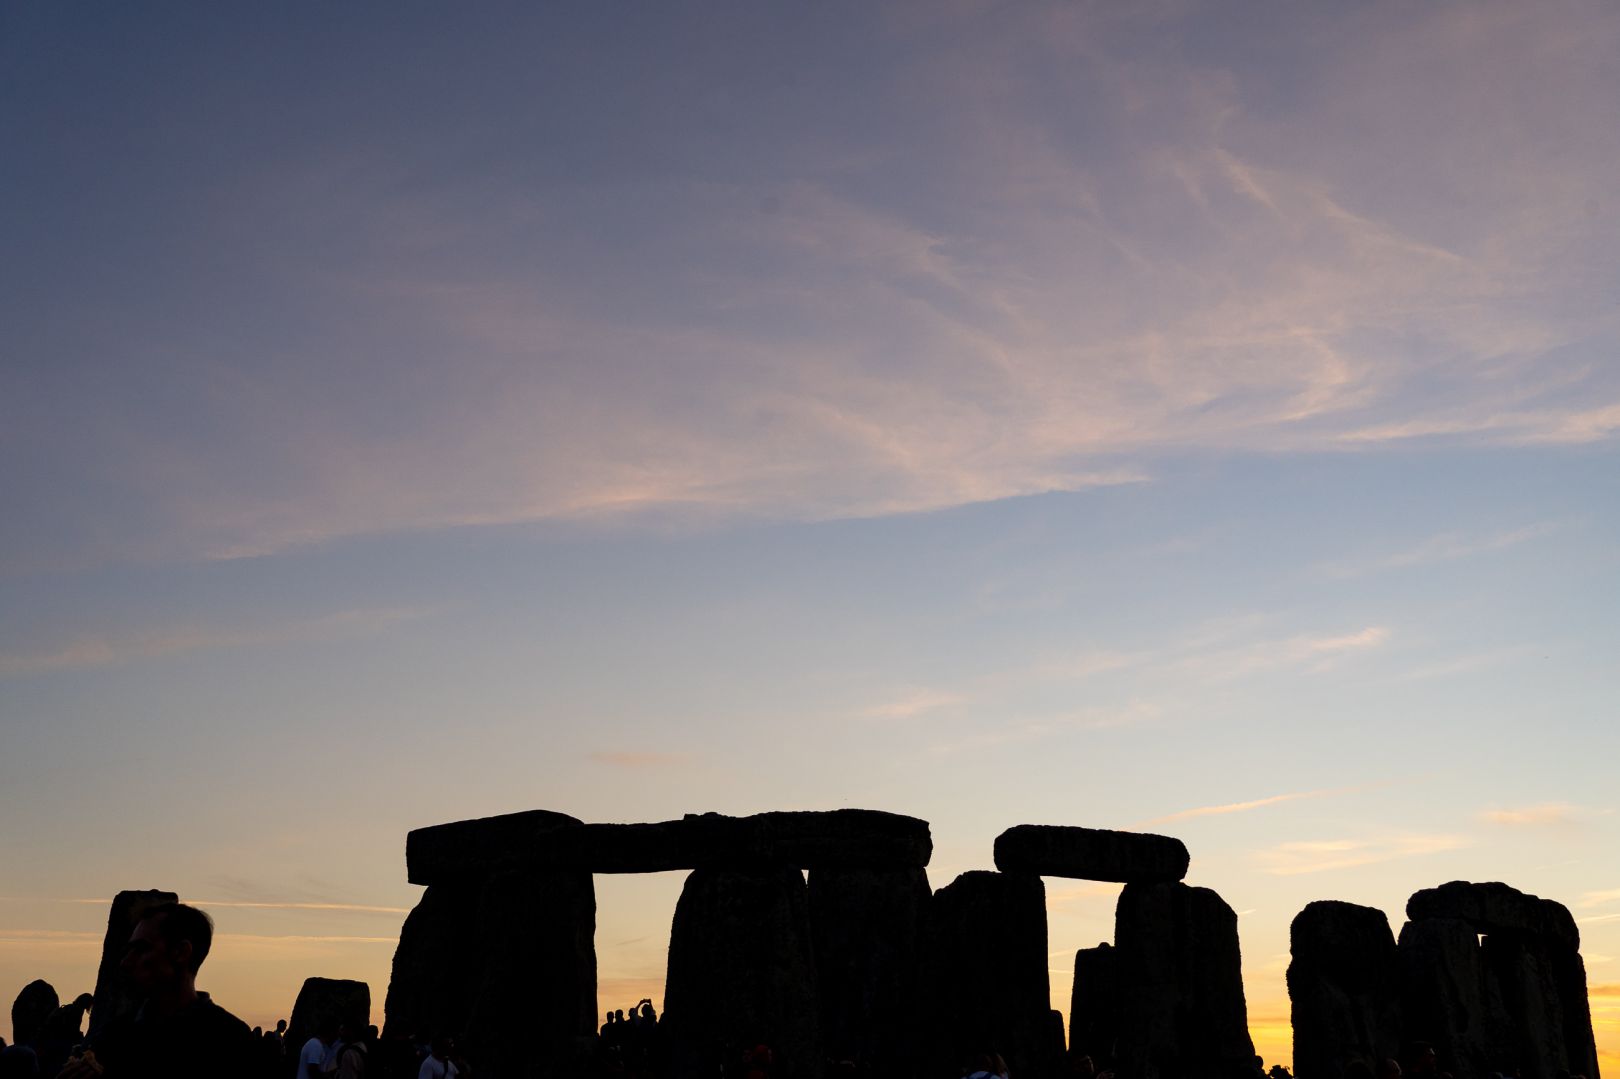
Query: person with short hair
pixel 438 1064
pixel 178 1032
pixel 316 1059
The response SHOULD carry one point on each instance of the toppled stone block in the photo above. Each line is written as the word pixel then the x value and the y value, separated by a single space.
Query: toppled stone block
pixel 1181 1001
pixel 113 997
pixel 1094 1005
pixel 474 849
pixel 986 974
pixel 1495 907
pixel 1344 982
pixel 845 838
pixel 867 926
pixel 319 999
pixel 1091 854
pixel 741 974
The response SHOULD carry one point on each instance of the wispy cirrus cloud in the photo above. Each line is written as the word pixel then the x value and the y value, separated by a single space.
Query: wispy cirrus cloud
pixel 1546 815
pixel 1213 267
pixel 136 645
pixel 1444 548
pixel 913 703
pixel 639 758
pixel 1299 857
pixel 1256 803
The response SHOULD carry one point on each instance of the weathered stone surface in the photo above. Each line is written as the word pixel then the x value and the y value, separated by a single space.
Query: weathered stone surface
pixel 1091 854
pixel 437 962
pixel 1444 998
pixel 986 974
pixel 1569 972
pixel 320 999
pixel 474 849
pixel 32 1010
pixel 1493 907
pixel 1344 982
pixel 867 926
pixel 506 965
pixel 844 838
pixel 1521 975
pixel 1094 1005
pixel 535 998
pixel 1181 1002
pixel 742 973
pixel 113 997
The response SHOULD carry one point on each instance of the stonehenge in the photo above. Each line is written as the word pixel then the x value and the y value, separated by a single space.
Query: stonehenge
pixel 818 934
pixel 1489 976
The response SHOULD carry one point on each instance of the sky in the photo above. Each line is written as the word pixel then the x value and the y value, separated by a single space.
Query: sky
pixel 1174 416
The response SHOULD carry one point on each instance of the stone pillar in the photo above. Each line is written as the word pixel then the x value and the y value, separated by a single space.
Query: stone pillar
pixel 1344 985
pixel 867 928
pixel 1569 971
pixel 1094 1005
pixel 1182 1008
pixel 436 964
pixel 319 999
pixel 741 973
pixel 986 974
pixel 113 997
pixel 1443 997
pixel 534 1004
pixel 1520 975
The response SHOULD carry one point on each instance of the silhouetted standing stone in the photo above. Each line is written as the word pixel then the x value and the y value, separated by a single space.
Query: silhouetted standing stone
pixel 1344 982
pixel 320 999
pixel 867 927
pixel 1443 999
pixel 1182 1009
pixel 114 997
pixel 32 1010
pixel 741 973
pixel 1094 1005
pixel 1091 854
pixel 1520 975
pixel 437 963
pixel 986 973
pixel 535 997
pixel 1569 970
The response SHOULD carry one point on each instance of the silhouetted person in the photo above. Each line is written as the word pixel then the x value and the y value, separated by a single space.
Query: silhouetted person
pixel 315 1058
pixel 1389 1068
pixel 177 1033
pixel 62 1031
pixel 980 1067
pixel 438 1064
pixel 351 1059
pixel 18 1062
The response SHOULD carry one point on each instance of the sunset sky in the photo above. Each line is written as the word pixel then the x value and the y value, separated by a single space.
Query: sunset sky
pixel 1201 418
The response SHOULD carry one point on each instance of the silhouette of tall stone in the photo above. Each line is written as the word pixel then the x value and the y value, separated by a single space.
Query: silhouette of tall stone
pixel 498 954
pixel 986 974
pixel 1443 1000
pixel 1091 854
pixel 113 996
pixel 1094 1005
pixel 1344 982
pixel 32 1010
pixel 1182 1009
pixel 1494 978
pixel 535 997
pixel 320 999
pixel 867 926
pixel 742 973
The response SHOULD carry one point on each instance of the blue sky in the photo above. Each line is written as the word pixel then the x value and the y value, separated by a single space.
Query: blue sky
pixel 1138 416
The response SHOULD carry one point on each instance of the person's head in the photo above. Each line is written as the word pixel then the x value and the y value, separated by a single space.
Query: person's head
pixel 442 1047
pixel 1389 1068
pixel 328 1028
pixel 281 1026
pixel 981 1062
pixel 167 947
pixel 618 1015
